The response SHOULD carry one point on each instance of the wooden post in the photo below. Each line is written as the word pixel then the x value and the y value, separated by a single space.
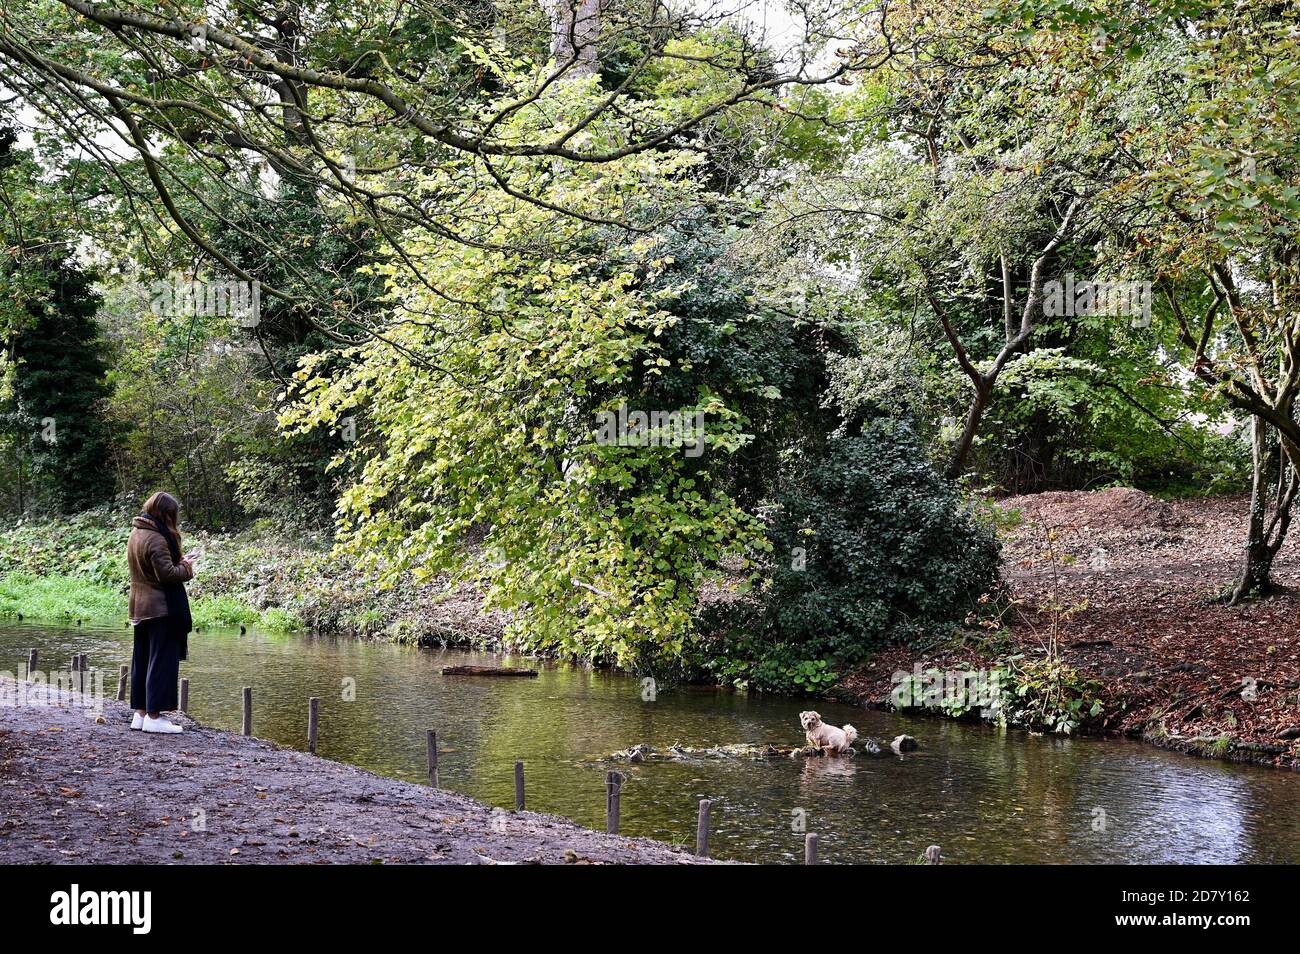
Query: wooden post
pixel 933 856
pixel 122 672
pixel 31 668
pixel 431 744
pixel 313 723
pixel 247 728
pixel 702 829
pixel 613 794
pixel 810 849
pixel 519 786
pixel 185 696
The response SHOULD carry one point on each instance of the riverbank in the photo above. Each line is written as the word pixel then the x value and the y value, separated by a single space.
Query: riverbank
pixel 73 569
pixel 1139 626
pixel 1134 611
pixel 74 789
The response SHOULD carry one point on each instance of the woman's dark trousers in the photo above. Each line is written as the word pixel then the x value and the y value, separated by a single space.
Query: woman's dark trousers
pixel 155 667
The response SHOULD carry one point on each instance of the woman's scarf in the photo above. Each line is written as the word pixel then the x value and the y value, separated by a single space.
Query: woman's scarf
pixel 179 621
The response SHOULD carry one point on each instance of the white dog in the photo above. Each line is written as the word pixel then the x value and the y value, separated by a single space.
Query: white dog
pixel 826 737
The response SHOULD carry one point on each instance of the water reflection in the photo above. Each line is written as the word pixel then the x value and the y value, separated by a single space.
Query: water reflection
pixel 985 795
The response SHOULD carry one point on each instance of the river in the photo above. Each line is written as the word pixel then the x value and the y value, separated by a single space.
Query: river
pixel 985 795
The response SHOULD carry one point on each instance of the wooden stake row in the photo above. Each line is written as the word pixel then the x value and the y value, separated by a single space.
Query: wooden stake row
pixel 613 780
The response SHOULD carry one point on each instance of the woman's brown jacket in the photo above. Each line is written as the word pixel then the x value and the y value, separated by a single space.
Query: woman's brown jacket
pixel 151 569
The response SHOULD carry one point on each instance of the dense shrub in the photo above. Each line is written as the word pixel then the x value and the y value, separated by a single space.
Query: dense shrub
pixel 53 391
pixel 873 548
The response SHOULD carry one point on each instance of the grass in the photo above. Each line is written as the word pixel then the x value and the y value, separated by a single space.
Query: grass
pixel 70 568
pixel 273 578
pixel 62 598
pixel 1221 746
pixel 92 581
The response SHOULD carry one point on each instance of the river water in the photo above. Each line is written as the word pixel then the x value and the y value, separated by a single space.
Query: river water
pixel 983 794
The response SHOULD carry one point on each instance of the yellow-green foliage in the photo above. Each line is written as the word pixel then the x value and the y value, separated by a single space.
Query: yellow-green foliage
pixel 475 449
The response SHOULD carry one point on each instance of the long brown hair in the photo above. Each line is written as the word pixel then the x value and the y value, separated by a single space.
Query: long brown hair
pixel 166 511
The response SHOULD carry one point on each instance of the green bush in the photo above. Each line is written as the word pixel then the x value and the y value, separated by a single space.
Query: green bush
pixel 745 661
pixel 222 610
pixel 1048 694
pixel 91 545
pixel 874 548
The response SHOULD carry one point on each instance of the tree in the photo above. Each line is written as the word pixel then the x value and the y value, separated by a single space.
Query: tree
pixel 977 177
pixel 365 102
pixel 1219 185
pixel 480 450
pixel 58 389
pixel 53 385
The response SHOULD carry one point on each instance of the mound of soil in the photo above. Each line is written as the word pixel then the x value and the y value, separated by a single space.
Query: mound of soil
pixel 1115 508
pixel 1141 580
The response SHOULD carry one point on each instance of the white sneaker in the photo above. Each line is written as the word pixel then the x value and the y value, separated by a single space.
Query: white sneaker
pixel 161 725
pixel 137 722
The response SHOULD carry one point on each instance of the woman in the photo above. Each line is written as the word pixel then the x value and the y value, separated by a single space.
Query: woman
pixel 159 611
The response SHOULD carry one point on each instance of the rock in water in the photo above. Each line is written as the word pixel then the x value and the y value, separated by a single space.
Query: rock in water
pixel 871 748
pixel 904 743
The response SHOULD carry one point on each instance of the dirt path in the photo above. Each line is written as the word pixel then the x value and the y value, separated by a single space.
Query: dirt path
pixel 1139 577
pixel 74 790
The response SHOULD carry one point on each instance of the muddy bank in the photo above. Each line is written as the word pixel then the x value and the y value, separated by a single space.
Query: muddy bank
pixel 1137 580
pixel 74 789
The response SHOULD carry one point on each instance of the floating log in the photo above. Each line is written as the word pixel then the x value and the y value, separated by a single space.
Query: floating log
pixel 486 671
pixel 675 753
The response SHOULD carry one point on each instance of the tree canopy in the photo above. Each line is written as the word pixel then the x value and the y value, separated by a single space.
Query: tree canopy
pixel 679 334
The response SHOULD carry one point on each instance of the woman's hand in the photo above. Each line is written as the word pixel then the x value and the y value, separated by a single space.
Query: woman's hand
pixel 188 563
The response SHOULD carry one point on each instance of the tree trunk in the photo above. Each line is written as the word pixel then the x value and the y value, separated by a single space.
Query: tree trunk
pixel 1271 497
pixel 983 382
pixel 978 405
pixel 575 32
